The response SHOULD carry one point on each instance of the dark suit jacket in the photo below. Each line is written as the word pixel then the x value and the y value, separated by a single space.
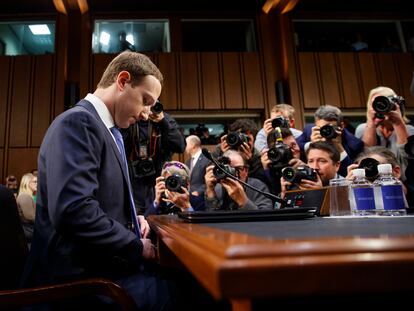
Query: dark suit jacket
pixel 197 182
pixel 83 207
pixel 352 145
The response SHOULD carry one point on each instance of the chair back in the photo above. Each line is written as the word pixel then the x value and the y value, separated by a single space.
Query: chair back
pixel 13 244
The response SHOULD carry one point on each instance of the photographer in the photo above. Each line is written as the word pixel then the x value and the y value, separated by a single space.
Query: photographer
pixel 228 194
pixel 281 115
pixel 389 128
pixel 240 137
pixel 280 155
pixel 377 155
pixel 329 127
pixel 171 190
pixel 322 157
pixel 148 145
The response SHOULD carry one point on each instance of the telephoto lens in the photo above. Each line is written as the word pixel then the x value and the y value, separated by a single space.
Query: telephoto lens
pixel 236 139
pixel 280 154
pixel 175 182
pixel 328 131
pixel 371 168
pixel 280 122
pixel 157 108
pixel 295 176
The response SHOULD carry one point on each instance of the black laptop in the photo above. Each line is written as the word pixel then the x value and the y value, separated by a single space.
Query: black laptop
pixel 247 215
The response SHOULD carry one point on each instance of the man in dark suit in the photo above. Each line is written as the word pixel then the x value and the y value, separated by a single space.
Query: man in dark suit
pixel 330 128
pixel 84 212
pixel 198 164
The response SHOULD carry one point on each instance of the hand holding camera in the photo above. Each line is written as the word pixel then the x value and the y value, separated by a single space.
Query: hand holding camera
pixel 157 112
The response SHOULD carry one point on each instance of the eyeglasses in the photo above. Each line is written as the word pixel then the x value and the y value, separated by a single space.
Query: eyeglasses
pixel 240 168
pixel 169 164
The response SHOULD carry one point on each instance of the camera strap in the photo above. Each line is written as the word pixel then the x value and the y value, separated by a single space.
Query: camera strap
pixel 145 147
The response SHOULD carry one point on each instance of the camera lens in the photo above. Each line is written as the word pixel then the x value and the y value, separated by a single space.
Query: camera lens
pixel 328 131
pixel 280 122
pixel 280 154
pixel 371 167
pixel 383 104
pixel 157 108
pixel 174 183
pixel 236 139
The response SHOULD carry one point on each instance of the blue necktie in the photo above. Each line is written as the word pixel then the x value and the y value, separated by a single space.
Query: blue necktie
pixel 120 142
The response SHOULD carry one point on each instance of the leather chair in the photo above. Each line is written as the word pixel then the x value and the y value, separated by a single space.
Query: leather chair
pixel 14 251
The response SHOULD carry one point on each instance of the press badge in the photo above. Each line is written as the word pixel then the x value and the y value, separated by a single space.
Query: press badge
pixel 143 151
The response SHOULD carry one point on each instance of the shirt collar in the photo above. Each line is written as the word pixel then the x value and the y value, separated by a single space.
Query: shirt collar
pixel 101 109
pixel 196 155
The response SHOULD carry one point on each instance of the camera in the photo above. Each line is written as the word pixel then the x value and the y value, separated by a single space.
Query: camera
pixel 143 167
pixel 175 182
pixel 385 104
pixel 157 108
pixel 236 139
pixel 295 176
pixel 371 168
pixel 329 131
pixel 280 154
pixel 280 122
pixel 225 165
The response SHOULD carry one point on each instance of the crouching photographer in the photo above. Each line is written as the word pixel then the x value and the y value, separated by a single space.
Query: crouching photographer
pixel 171 190
pixel 225 193
pixel 283 152
pixel 322 166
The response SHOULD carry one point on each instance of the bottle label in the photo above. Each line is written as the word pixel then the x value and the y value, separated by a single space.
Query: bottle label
pixel 364 198
pixel 393 197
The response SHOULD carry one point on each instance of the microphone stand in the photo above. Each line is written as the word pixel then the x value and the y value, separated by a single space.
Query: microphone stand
pixel 271 196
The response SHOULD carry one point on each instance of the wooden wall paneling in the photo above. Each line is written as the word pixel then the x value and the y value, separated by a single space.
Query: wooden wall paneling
pixel 369 74
pixel 168 66
pixel 405 70
pixel 61 65
pixel 211 80
pixel 254 87
pixel 2 171
pixel 20 101
pixel 232 80
pixel 352 94
pixel 4 95
pixel 100 61
pixel 388 71
pixel 309 80
pixel 189 81
pixel 330 88
pixel 21 161
pixel 42 99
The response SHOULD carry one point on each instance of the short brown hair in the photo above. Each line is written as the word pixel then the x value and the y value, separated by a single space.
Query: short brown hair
pixel 138 65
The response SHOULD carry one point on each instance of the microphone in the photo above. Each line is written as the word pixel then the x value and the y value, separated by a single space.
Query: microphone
pixel 209 156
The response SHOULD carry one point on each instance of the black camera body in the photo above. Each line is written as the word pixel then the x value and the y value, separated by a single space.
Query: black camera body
pixel 143 167
pixel 157 108
pixel 329 131
pixel 371 168
pixel 175 182
pixel 280 155
pixel 225 165
pixel 280 122
pixel 236 139
pixel 385 104
pixel 295 176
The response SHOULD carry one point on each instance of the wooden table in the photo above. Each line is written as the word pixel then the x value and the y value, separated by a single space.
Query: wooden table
pixel 297 258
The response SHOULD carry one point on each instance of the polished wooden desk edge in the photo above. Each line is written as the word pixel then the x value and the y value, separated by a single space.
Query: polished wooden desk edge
pixel 224 262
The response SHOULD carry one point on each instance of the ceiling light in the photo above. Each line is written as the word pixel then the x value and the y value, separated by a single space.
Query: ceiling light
pixel 130 39
pixel 39 29
pixel 104 39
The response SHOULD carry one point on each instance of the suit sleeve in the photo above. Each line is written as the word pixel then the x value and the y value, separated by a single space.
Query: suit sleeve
pixel 73 160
